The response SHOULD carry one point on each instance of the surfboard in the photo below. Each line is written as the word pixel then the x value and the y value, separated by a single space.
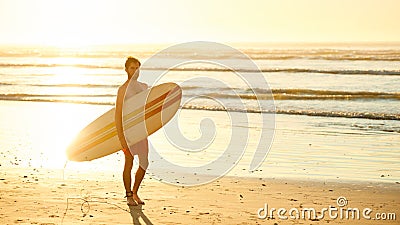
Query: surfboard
pixel 143 114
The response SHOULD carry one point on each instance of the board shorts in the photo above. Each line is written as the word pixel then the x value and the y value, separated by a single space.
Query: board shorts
pixel 141 150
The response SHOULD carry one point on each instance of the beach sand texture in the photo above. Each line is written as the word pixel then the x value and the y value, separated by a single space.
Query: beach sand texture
pixel 39 196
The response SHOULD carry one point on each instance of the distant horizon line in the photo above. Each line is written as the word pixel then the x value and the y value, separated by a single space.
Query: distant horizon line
pixel 227 42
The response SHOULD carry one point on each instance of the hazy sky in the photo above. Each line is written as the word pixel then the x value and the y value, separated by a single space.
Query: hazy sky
pixel 80 22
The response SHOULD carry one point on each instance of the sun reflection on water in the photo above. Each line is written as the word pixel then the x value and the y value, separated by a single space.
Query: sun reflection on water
pixel 44 130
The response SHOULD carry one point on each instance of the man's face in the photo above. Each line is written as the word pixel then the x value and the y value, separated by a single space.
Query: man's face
pixel 131 69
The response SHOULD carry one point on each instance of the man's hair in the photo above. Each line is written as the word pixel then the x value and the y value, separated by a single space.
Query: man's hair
pixel 130 60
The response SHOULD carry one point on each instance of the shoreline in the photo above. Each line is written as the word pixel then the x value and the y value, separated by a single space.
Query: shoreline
pixel 110 176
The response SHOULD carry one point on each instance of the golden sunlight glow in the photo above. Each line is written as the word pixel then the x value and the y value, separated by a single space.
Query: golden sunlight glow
pixel 56 132
pixel 66 75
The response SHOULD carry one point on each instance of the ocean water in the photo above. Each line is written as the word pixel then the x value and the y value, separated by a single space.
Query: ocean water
pixel 357 82
pixel 350 95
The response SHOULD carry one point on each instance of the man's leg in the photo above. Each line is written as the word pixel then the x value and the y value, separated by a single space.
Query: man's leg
pixel 141 171
pixel 138 180
pixel 127 177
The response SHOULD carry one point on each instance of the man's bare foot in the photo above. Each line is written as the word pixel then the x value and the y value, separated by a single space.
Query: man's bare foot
pixel 129 199
pixel 137 199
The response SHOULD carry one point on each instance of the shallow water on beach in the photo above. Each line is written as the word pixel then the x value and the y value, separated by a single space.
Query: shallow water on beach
pixel 35 135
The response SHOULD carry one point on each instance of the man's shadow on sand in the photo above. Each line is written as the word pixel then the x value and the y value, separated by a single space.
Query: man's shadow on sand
pixel 136 213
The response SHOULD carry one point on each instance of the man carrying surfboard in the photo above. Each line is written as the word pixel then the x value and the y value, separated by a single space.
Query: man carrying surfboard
pixel 141 148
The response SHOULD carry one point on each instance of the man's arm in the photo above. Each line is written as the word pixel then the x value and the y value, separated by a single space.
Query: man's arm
pixel 118 116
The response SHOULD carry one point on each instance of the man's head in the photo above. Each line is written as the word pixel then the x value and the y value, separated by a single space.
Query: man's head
pixel 131 66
